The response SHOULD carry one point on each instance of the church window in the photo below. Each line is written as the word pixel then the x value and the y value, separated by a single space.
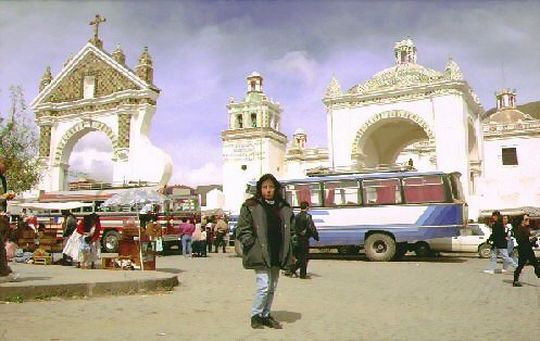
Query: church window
pixel 253 120
pixel 509 156
pixel 253 86
pixel 89 87
pixel 239 121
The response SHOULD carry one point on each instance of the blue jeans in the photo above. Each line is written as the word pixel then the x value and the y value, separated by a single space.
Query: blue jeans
pixel 267 281
pixel 506 259
pixel 186 245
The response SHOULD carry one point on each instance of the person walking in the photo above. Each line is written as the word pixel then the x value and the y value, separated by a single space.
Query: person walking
pixel 264 230
pixel 210 233
pixel 499 245
pixel 221 229
pixel 304 228
pixel 509 234
pixel 6 274
pixel 525 248
pixel 69 224
pixel 186 229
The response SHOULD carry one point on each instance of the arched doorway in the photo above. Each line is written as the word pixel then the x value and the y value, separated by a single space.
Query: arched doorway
pixel 386 135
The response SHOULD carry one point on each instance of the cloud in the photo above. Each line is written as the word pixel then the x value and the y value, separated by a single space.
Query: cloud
pixel 209 173
pixel 296 65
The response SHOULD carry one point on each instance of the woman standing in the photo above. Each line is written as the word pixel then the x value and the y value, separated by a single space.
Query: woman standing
pixel 83 245
pixel 525 243
pixel 264 229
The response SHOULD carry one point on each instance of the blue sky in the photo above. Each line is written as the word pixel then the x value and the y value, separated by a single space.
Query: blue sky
pixel 203 50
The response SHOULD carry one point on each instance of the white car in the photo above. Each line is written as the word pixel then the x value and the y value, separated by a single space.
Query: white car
pixel 471 239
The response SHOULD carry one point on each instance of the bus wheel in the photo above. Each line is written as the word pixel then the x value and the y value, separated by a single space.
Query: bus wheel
pixel 110 241
pixel 380 247
pixel 484 250
pixel 422 249
pixel 238 248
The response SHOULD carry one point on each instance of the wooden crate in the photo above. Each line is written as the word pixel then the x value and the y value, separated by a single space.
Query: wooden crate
pixel 42 260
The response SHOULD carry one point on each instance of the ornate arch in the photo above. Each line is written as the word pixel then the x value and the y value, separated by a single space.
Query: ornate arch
pixel 85 125
pixel 389 115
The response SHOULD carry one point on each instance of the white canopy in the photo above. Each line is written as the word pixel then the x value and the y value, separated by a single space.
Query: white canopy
pixel 54 205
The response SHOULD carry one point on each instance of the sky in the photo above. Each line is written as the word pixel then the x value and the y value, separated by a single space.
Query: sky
pixel 202 52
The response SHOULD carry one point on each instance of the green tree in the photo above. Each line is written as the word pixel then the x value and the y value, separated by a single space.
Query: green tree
pixel 19 144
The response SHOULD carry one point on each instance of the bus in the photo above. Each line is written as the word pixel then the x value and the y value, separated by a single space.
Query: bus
pixel 115 219
pixel 387 213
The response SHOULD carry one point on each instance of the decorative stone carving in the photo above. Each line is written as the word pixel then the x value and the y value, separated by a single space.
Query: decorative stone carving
pixel 86 124
pixel 389 115
pixel 334 88
pixel 45 79
pixel 44 140
pixel 124 121
pixel 144 68
pixel 108 81
pixel 453 71
pixel 119 55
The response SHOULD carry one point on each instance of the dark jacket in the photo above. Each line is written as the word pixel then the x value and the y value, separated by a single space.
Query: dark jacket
pixel 523 236
pixel 498 236
pixel 252 232
pixel 304 226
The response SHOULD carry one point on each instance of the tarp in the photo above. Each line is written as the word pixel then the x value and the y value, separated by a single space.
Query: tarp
pixel 54 205
pixel 531 211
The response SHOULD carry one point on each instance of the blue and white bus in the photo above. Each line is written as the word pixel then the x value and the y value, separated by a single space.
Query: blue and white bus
pixel 386 213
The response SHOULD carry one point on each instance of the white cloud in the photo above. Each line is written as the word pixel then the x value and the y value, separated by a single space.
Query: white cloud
pixel 296 65
pixel 209 173
pixel 91 163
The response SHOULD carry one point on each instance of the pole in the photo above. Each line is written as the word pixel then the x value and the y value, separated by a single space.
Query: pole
pixel 140 243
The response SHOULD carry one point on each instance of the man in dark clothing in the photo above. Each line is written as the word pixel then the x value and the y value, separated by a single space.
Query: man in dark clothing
pixel 304 230
pixel 499 245
pixel 525 248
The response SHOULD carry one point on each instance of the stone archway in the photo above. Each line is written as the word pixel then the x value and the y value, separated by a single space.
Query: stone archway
pixel 381 138
pixel 72 135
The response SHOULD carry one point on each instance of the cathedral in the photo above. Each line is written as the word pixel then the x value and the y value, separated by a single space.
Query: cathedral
pixel 404 113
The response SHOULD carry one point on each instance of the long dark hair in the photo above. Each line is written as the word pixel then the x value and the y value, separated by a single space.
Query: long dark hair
pixel 278 196
pixel 89 221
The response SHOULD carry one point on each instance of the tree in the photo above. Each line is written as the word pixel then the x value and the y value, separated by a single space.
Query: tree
pixel 19 144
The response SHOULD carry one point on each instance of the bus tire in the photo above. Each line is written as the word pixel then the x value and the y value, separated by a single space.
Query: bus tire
pixel 238 248
pixel 422 249
pixel 484 250
pixel 380 247
pixel 110 241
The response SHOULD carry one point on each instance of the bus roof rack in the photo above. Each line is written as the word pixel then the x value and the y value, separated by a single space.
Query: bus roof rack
pixel 381 168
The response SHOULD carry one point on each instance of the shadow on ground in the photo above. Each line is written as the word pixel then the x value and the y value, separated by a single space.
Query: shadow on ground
pixel 170 270
pixel 407 258
pixel 287 316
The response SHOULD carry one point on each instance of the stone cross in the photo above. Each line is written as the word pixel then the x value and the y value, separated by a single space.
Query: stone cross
pixel 98 20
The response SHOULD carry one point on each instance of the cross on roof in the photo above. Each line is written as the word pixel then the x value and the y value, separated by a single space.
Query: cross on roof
pixel 98 20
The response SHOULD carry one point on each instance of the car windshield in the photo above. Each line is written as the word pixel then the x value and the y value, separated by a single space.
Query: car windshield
pixel 476 230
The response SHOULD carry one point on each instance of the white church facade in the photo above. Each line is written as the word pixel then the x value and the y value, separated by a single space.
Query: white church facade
pixel 97 91
pixel 405 112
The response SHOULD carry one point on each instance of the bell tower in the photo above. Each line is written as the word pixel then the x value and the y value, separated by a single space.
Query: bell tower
pixel 252 142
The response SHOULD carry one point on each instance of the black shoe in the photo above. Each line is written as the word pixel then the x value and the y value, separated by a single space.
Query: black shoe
pixel 517 284
pixel 269 321
pixel 257 322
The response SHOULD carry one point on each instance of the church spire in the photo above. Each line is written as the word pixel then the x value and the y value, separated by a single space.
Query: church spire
pixel 45 79
pixel 506 99
pixel 254 83
pixel 119 55
pixel 144 68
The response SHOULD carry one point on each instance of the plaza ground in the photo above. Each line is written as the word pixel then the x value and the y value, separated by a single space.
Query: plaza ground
pixel 445 298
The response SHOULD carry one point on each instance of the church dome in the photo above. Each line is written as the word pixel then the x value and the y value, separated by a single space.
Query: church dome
pixel 299 131
pixel 397 77
pixel 509 115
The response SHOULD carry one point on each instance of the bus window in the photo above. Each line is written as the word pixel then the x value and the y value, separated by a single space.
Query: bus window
pixel 381 191
pixel 341 193
pixel 296 193
pixel 423 189
pixel 87 209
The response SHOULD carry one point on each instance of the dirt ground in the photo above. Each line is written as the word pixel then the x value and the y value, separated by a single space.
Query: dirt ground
pixel 447 298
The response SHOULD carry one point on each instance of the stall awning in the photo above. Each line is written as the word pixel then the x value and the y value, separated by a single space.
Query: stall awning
pixel 531 211
pixel 54 205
